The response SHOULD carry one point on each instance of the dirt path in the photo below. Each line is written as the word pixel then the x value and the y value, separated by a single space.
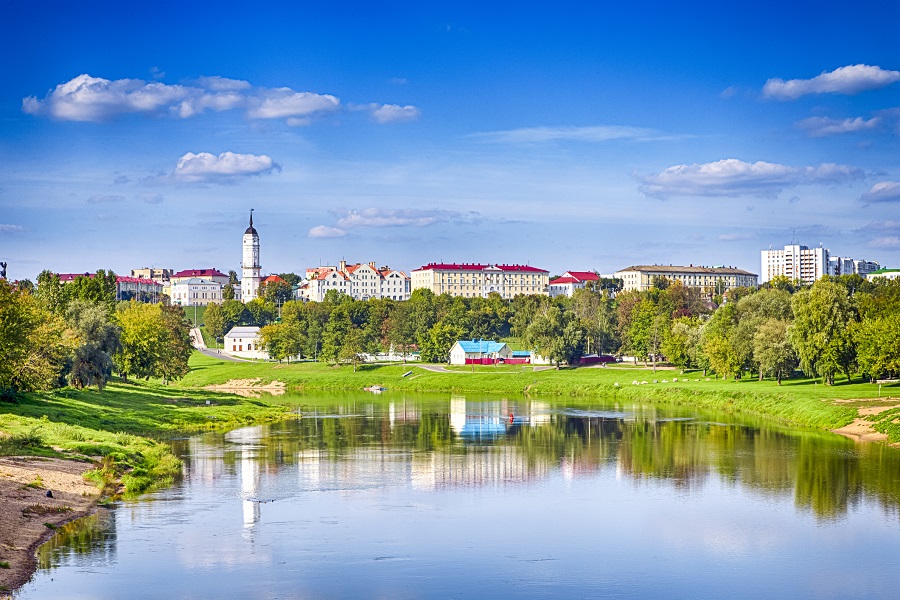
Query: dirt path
pixel 25 509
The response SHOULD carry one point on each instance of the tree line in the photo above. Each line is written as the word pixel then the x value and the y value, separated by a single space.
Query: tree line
pixel 840 325
pixel 54 334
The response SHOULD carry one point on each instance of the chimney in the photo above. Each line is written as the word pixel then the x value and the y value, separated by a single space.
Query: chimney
pixel 372 264
pixel 343 266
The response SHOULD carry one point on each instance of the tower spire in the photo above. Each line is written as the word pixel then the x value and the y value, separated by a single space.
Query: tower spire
pixel 251 217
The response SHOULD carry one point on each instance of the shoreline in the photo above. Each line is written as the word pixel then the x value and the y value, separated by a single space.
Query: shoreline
pixel 862 430
pixel 24 482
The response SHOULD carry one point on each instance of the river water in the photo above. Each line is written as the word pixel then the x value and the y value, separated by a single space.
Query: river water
pixel 446 497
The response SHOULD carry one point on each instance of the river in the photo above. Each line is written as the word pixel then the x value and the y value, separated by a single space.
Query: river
pixel 439 497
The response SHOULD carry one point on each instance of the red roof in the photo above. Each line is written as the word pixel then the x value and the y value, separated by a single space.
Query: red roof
pixel 273 279
pixel 200 273
pixel 564 280
pixel 583 275
pixel 477 267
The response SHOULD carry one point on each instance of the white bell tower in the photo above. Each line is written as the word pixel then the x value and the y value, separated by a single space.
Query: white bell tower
pixel 250 264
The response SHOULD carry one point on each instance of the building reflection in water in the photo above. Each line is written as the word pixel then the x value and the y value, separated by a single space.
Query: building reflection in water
pixel 249 439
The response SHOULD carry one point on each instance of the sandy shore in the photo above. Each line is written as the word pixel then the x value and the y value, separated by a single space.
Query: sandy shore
pixel 861 430
pixel 249 388
pixel 24 482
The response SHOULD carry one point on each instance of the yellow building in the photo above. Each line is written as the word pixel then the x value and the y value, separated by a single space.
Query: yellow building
pixel 472 280
pixel 640 278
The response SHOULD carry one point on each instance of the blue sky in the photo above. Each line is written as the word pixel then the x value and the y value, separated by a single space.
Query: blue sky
pixel 577 139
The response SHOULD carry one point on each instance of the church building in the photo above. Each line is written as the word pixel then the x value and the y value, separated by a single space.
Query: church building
pixel 250 269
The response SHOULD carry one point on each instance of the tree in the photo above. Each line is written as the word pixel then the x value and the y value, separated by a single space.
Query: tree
pixel 435 345
pixel 214 320
pixel 772 349
pixel 34 343
pixel 51 293
pixel 353 347
pixel 677 345
pixel 556 335
pixel 821 334
pixel 276 293
pixel 92 362
pixel 261 312
pixel 282 340
pixel 878 350
pixel 155 341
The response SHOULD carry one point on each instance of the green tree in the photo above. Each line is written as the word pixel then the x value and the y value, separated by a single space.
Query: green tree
pixel 261 312
pixel 435 345
pixel 282 340
pixel 154 341
pixel 92 362
pixel 51 293
pixel 878 346
pixel 214 321
pixel 821 334
pixel 34 343
pixel 772 349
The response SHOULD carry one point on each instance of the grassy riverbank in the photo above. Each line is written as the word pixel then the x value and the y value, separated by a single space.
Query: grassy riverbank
pixel 800 402
pixel 121 426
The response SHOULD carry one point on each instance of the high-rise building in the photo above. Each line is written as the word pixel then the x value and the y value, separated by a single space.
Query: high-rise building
pixel 795 262
pixel 250 269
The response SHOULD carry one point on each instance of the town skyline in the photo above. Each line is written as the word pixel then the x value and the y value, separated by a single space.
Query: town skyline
pixel 593 139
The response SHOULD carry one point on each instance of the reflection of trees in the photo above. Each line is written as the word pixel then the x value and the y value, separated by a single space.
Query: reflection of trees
pixel 95 534
pixel 825 474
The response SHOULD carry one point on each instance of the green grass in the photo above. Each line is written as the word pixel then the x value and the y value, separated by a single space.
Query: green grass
pixel 121 425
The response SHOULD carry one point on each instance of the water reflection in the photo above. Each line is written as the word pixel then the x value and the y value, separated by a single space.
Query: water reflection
pixel 93 534
pixel 468 443
pixel 419 497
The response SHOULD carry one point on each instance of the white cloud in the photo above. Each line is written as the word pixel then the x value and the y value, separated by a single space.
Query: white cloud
pixel 224 168
pixel 888 242
pixel 380 217
pixel 87 98
pixel 323 231
pixel 285 102
pixel 822 126
pixel 732 177
pixel 885 191
pixel 735 237
pixel 10 228
pixel 599 133
pixel 845 80
pixel 105 199
pixel 393 113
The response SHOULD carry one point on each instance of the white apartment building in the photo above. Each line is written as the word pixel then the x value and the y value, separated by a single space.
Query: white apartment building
pixel 640 278
pixel 472 280
pixel 196 292
pixel 361 281
pixel 795 262
pixel 568 282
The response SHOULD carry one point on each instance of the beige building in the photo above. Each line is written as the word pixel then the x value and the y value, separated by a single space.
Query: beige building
pixel 472 280
pixel 640 278
pixel 361 281
pixel 196 292
pixel 158 275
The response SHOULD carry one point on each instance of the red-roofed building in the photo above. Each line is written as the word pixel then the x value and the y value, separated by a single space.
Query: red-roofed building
pixel 471 280
pixel 569 282
pixel 209 274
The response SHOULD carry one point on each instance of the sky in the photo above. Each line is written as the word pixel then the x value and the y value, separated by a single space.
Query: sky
pixel 566 136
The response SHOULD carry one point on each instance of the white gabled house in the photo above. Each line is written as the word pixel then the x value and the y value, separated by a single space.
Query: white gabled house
pixel 467 352
pixel 244 342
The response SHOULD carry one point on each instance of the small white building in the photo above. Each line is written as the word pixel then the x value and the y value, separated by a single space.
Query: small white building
pixel 244 342
pixel 886 273
pixel 569 282
pixel 196 292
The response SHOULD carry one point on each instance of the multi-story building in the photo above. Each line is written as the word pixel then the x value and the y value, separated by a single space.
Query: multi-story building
pixel 796 262
pixel 472 280
pixel 641 277
pixel 360 281
pixel 889 274
pixel 196 292
pixel 568 282
pixel 838 265
pixel 158 275
pixel 127 288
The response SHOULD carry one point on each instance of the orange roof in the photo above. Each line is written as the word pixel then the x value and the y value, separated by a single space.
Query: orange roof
pixel 273 279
